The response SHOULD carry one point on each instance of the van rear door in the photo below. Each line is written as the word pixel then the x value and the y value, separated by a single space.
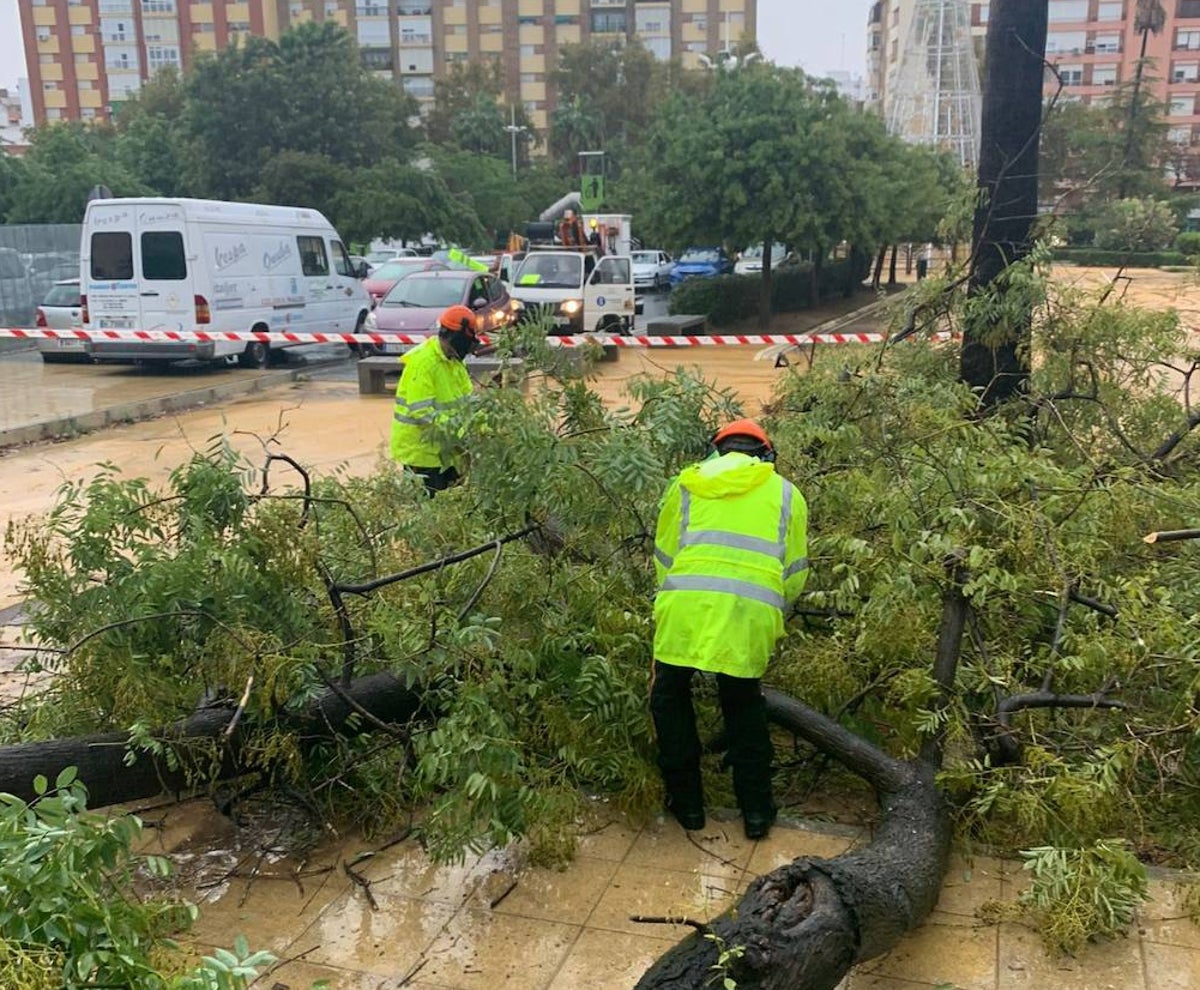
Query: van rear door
pixel 165 283
pixel 109 282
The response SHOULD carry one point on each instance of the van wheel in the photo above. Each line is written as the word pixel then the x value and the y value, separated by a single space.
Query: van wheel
pixel 256 355
pixel 366 348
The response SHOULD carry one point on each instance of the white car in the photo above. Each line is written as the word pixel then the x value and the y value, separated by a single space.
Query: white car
pixel 750 261
pixel 61 309
pixel 652 270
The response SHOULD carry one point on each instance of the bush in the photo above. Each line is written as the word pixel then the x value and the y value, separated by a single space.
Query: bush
pixel 1136 225
pixel 1188 242
pixel 1117 259
pixel 728 299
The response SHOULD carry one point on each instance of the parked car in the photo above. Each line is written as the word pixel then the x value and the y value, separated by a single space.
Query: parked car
pixel 61 309
pixel 750 261
pixel 49 268
pixel 701 262
pixel 17 299
pixel 380 281
pixel 415 303
pixel 652 270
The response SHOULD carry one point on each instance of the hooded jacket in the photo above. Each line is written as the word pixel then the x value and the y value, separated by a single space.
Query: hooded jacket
pixel 731 558
pixel 429 387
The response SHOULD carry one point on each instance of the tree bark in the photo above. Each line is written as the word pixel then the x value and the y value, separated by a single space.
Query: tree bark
pixel 100 759
pixel 1008 181
pixel 764 290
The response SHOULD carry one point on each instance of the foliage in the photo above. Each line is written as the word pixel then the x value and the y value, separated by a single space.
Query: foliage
pixel 1136 225
pixel 63 164
pixel 1077 895
pixel 769 155
pixel 70 916
pixel 1188 243
pixel 471 94
pixel 1103 151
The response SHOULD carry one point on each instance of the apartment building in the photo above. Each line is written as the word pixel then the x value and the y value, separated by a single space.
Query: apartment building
pixel 86 56
pixel 1092 43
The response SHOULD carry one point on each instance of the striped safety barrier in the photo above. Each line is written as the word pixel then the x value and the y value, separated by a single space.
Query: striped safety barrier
pixel 287 337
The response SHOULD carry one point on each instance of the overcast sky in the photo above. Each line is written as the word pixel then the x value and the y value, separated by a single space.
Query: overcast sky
pixel 818 35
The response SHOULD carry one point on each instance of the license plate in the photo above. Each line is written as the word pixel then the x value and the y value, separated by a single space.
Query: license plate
pixel 65 342
pixel 116 323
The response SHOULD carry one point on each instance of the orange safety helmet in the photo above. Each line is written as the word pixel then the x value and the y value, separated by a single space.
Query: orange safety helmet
pixel 459 318
pixel 743 428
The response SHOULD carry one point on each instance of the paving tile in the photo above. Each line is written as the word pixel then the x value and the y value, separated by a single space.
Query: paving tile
pixel 301 975
pixel 608 961
pixel 483 950
pixel 720 849
pixel 611 840
pixel 1165 918
pixel 969 883
pixel 1024 964
pixel 567 896
pixel 784 845
pixel 1171 967
pixel 389 941
pixel 407 871
pixel 270 913
pixel 662 893
pixel 961 955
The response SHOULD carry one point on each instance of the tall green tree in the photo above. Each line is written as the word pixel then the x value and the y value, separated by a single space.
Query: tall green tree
pixel 307 93
pixel 575 125
pixel 152 143
pixel 63 164
pixel 765 155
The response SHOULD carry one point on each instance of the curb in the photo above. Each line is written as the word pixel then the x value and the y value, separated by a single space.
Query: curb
pixel 68 427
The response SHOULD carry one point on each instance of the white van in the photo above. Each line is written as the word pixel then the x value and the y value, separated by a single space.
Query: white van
pixel 193 264
pixel 580 291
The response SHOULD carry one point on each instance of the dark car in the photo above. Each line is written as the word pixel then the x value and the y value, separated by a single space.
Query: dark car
pixel 415 303
pixel 380 281
pixel 701 262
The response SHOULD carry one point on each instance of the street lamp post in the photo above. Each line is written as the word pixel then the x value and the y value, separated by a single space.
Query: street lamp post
pixel 514 129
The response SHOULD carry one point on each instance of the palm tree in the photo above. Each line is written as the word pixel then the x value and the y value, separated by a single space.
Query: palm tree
pixel 479 126
pixel 575 126
pixel 1148 18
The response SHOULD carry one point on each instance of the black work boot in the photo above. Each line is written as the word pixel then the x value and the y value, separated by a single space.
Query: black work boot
pixel 758 821
pixel 689 814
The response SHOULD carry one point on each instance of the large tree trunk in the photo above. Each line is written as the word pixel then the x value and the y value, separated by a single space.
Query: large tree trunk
pixel 1008 181
pixel 101 758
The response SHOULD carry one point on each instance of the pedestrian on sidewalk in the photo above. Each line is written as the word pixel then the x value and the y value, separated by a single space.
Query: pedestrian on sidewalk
pixel 731 558
pixel 432 382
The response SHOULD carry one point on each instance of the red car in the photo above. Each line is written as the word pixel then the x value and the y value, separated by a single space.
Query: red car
pixel 415 303
pixel 380 281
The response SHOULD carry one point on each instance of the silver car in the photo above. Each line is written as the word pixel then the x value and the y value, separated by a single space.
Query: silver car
pixel 61 310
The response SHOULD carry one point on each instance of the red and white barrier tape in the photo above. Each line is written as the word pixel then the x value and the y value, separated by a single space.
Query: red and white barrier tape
pixel 286 337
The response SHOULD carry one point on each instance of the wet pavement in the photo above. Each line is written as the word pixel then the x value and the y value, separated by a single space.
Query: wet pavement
pixel 381 920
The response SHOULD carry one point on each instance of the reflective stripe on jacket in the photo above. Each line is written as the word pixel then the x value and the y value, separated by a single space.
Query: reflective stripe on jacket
pixel 430 385
pixel 731 557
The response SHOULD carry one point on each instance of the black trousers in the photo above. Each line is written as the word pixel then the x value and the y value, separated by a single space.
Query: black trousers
pixel 436 479
pixel 750 752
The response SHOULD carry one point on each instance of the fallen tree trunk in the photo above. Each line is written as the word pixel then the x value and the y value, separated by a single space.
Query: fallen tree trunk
pixel 100 759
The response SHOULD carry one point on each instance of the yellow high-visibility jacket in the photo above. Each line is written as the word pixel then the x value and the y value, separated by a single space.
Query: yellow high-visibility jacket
pixel 430 385
pixel 731 557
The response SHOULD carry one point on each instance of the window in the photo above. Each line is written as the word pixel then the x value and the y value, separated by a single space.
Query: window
pixel 341 260
pixel 158 6
pixel 1104 75
pixel 313 259
pixel 700 21
pixel 1072 75
pixel 1107 43
pixel 1188 8
pixel 112 256
pixel 608 22
pixel 1068 10
pixel 159 55
pixel 612 271
pixel 162 256
pixel 1110 12
pixel 1182 106
pixel 528 50
pixel 1187 41
pixel 495 289
pixel 1185 73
